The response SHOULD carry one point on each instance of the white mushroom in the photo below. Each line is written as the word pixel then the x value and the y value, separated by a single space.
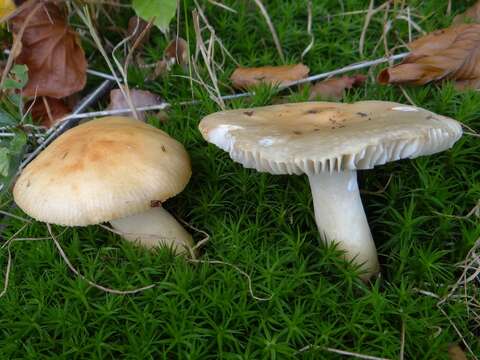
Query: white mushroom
pixel 329 142
pixel 114 169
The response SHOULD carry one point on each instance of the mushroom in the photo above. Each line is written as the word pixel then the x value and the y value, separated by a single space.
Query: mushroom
pixel 329 142
pixel 114 169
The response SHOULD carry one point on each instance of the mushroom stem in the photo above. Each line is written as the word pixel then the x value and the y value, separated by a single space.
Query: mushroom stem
pixel 340 218
pixel 155 227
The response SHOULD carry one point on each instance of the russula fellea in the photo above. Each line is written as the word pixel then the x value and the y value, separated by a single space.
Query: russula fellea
pixel 329 142
pixel 112 169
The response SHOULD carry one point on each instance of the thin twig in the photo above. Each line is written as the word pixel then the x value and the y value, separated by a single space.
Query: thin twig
pixel 402 341
pixel 264 12
pixel 340 352
pixel 249 279
pixel 91 283
pixel 223 6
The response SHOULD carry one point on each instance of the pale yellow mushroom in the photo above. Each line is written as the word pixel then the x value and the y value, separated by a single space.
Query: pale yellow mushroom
pixel 113 169
pixel 329 142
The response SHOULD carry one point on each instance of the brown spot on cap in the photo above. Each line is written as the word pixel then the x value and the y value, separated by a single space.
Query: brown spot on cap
pixel 155 203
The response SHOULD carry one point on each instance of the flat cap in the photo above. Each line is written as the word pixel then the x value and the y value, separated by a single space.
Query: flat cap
pixel 312 137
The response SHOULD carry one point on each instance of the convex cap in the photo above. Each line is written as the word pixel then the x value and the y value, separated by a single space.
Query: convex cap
pixel 102 170
pixel 313 137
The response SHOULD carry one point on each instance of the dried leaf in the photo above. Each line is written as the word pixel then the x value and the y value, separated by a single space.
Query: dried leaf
pixel 161 68
pixel 471 15
pixel 455 352
pixel 47 111
pixel 52 52
pixel 274 75
pixel 452 53
pixel 138 28
pixel 139 98
pixel 176 52
pixel 334 88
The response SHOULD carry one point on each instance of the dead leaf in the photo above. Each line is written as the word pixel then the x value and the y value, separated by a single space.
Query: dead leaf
pixel 452 54
pixel 161 68
pixel 471 15
pixel 139 98
pixel 334 88
pixel 176 52
pixel 52 52
pixel 47 111
pixel 138 28
pixel 274 75
pixel 456 353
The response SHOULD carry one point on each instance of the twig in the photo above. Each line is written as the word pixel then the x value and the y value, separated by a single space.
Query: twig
pixel 9 260
pixel 6 213
pixel 402 341
pixel 249 279
pixel 379 191
pixel 223 6
pixel 91 283
pixel 264 12
pixel 340 352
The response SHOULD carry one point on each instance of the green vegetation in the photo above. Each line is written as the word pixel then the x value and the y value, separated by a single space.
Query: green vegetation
pixel 263 224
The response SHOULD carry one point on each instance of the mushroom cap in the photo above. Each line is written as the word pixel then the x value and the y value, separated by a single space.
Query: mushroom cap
pixel 312 137
pixel 104 169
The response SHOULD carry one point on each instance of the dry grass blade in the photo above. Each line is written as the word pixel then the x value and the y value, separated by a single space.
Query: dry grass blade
pixel 309 29
pixel 85 16
pixel 207 55
pixel 264 12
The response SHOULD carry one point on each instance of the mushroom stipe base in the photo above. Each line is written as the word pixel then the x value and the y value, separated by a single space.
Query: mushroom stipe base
pixel 341 219
pixel 155 227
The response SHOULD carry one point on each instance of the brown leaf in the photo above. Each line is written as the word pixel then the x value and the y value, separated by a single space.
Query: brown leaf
pixel 47 111
pixel 334 88
pixel 274 75
pixel 52 52
pixel 456 353
pixel 139 98
pixel 176 52
pixel 471 15
pixel 452 53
